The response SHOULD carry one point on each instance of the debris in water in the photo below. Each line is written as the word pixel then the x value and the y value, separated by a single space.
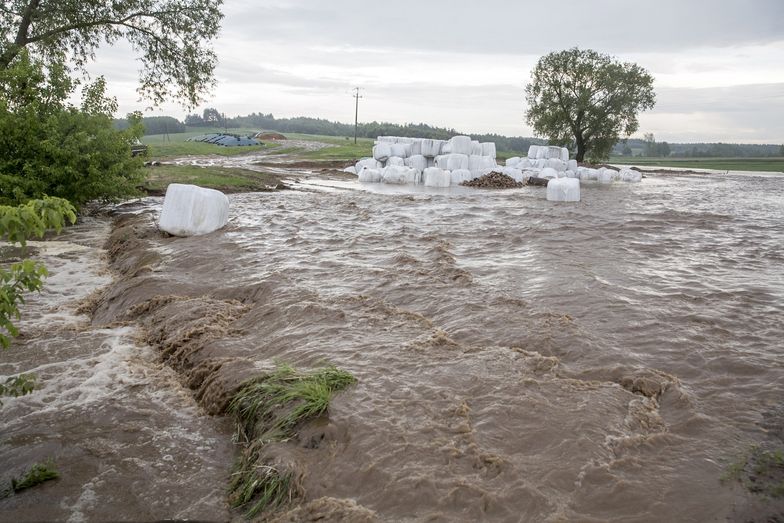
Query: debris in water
pixel 493 180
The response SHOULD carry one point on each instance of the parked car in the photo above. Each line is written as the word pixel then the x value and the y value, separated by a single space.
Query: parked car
pixel 138 148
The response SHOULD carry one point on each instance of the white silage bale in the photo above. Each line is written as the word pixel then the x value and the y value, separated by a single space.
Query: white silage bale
pixel 350 169
pixel 529 174
pixel 631 176
pixel 190 210
pixel 461 145
pixel 605 176
pixel 556 163
pixel 446 147
pixel 382 151
pixel 386 139
pixel 548 173
pixel 476 148
pixel 451 162
pixel 399 175
pixel 554 152
pixel 435 177
pixel 370 163
pixel 417 162
pixel 416 147
pixel 488 149
pixel 459 176
pixel 542 153
pixel 541 163
pixel 564 154
pixel 402 150
pixel 571 174
pixel 367 175
pixel 525 163
pixel 563 190
pixel 431 148
pixel 431 162
pixel 515 174
pixel 571 165
pixel 476 163
pixel 533 151
pixel 514 161
pixel 395 161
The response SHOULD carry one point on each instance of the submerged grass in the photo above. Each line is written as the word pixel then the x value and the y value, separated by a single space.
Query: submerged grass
pixel 222 178
pixel 35 475
pixel 760 471
pixel 269 409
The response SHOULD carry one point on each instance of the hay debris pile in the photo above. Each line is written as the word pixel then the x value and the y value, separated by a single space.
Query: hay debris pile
pixel 494 180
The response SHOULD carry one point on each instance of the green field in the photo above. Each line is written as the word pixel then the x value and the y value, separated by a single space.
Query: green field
pixel 222 178
pixel 176 144
pixel 718 164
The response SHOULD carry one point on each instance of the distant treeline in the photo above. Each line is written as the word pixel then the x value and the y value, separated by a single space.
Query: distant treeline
pixel 211 117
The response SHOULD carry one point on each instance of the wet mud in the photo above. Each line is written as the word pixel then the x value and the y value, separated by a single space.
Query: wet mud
pixel 516 360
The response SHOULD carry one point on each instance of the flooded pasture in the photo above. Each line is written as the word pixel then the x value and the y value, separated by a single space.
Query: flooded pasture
pixel 517 360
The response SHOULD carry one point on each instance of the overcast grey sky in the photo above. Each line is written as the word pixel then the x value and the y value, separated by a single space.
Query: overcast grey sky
pixel 719 65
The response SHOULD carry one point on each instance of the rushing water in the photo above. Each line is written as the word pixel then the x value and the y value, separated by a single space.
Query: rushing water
pixel 517 359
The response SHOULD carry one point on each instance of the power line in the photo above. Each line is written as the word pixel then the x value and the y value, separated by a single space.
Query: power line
pixel 356 112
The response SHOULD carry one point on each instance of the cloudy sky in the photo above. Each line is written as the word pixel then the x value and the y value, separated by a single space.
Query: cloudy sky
pixel 719 66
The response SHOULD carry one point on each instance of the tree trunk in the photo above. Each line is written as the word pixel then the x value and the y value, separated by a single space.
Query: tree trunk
pixel 21 34
pixel 580 147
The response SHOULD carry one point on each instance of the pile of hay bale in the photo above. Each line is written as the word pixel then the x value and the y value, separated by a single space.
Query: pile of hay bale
pixel 433 163
pixel 544 161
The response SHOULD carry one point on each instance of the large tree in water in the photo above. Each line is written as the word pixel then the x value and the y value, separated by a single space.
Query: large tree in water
pixel 172 37
pixel 587 100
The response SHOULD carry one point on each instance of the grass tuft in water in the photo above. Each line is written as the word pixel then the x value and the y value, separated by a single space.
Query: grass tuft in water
pixel 268 409
pixel 760 471
pixel 35 475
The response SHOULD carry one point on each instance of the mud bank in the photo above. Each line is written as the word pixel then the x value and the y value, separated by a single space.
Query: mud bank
pixel 498 378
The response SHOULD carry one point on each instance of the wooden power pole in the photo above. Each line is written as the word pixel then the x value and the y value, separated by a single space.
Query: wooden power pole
pixel 356 113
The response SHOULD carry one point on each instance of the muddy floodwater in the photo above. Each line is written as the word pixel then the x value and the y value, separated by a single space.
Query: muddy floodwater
pixel 517 360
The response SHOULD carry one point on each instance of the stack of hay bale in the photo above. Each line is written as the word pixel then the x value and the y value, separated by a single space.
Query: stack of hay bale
pixel 434 163
pixel 550 162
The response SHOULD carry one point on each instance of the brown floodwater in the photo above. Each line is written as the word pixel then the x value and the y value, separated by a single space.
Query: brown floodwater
pixel 517 360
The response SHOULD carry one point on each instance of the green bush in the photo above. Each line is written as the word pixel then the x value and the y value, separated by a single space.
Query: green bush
pixel 50 147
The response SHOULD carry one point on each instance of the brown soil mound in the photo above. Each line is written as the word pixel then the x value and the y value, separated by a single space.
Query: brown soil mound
pixel 494 180
pixel 267 135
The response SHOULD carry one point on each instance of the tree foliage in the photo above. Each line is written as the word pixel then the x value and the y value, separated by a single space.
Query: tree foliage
pixel 173 38
pixel 587 100
pixel 50 147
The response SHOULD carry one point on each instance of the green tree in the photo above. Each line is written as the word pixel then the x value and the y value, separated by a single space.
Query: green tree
pixel 781 150
pixel 627 151
pixel 587 100
pixel 50 147
pixel 173 37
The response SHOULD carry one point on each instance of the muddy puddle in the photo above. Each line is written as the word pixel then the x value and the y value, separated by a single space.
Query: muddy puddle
pixel 516 360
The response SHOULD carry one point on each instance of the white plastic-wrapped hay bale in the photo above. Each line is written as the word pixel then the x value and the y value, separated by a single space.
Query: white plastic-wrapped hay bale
pixel 533 151
pixel 529 174
pixel 451 162
pixel 416 147
pixel 431 162
pixel 477 163
pixel 367 175
pixel 564 154
pixel 571 165
pixel 587 174
pixel 460 145
pixel 382 151
pixel 556 163
pixel 400 175
pixel 446 148
pixel 515 174
pixel 395 161
pixel 548 173
pixel 631 176
pixel 563 190
pixel 542 153
pixel 417 162
pixel 476 148
pixel 605 175
pixel 571 174
pixel 524 164
pixel 370 163
pixel 190 210
pixel 554 152
pixel 459 176
pixel 435 177
pixel 488 149
pixel 401 150
pixel 541 163
pixel 386 139
pixel 514 161
pixel 350 169
pixel 431 148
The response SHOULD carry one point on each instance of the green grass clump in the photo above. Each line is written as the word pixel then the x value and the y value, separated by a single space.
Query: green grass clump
pixel 268 409
pixel 760 471
pixel 35 475
pixel 221 178
pixel 16 386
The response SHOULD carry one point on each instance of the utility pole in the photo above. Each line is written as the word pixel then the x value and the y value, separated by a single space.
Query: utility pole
pixel 356 113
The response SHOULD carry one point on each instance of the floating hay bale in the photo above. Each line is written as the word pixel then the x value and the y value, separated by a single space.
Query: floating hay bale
pixel 494 180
